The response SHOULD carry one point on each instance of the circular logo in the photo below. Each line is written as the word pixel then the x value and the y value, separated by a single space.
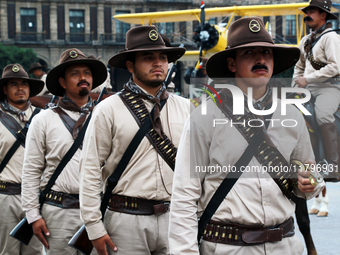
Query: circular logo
pixel 254 26
pixel 153 35
pixel 73 54
pixel 15 68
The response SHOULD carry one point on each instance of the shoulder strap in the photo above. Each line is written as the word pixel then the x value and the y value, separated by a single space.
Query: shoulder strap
pixel 10 123
pixel 164 146
pixel 67 120
pixel 69 154
pixel 117 173
pixel 228 183
pixel 21 137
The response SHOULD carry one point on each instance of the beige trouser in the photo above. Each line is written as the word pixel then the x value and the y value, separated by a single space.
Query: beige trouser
pixel 10 215
pixel 289 245
pixel 137 234
pixel 62 225
pixel 327 100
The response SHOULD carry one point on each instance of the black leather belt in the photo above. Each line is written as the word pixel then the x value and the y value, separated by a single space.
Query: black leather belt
pixel 242 235
pixel 137 206
pixel 8 188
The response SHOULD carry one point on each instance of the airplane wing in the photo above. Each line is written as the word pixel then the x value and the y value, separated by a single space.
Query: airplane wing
pixel 194 14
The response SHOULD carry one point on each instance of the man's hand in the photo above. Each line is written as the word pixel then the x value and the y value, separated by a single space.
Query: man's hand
pixel 303 179
pixel 100 244
pixel 301 82
pixel 40 230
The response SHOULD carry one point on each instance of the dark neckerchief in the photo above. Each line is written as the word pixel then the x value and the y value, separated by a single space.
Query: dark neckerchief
pixel 312 36
pixel 70 105
pixel 5 106
pixel 161 94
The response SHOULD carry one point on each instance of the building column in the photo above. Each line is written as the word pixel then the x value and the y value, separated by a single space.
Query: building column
pixel 53 21
pixel 100 20
pixel 3 20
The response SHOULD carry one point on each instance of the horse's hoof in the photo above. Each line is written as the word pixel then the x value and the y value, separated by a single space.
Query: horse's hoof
pixel 322 214
pixel 313 211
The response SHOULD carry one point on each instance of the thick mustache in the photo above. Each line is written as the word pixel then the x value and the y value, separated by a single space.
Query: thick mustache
pixel 82 82
pixel 259 67
pixel 307 19
pixel 21 92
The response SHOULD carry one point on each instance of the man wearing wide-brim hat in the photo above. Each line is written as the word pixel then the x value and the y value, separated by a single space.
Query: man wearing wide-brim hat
pixel 318 70
pixel 241 220
pixel 50 136
pixel 37 69
pixel 15 112
pixel 136 221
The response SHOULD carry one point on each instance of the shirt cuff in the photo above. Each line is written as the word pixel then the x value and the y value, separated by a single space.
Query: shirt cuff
pixel 33 215
pixel 95 231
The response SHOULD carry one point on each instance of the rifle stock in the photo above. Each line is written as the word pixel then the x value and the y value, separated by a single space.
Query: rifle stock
pixel 81 242
pixel 22 231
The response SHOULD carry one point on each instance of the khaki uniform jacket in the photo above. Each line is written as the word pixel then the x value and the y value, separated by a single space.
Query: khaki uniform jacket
pixel 147 175
pixel 326 51
pixel 254 200
pixel 13 170
pixel 47 142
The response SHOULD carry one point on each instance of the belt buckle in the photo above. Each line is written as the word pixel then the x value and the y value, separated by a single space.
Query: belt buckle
pixel 161 208
pixel 274 234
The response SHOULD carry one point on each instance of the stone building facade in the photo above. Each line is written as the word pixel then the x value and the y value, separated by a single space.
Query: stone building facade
pixel 51 26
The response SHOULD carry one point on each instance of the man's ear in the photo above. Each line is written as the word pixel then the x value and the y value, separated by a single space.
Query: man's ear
pixel 130 66
pixel 231 64
pixel 62 82
pixel 4 89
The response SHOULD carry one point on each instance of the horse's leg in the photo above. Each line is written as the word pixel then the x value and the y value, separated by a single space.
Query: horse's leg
pixel 316 205
pixel 302 218
pixel 324 205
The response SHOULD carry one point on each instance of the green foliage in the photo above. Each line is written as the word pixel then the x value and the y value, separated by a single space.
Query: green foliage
pixel 13 54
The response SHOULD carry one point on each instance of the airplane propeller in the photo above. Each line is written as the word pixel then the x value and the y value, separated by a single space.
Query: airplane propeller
pixel 206 37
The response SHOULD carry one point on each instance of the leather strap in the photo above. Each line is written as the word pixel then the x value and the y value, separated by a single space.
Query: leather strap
pixel 67 120
pixel 10 123
pixel 62 200
pixel 242 235
pixel 117 173
pixel 165 148
pixel 8 188
pixel 21 138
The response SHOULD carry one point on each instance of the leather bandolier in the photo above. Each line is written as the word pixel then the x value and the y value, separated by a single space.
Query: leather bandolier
pixel 266 155
pixel 137 108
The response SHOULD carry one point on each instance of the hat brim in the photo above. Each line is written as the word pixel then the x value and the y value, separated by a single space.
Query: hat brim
pixel 98 69
pixel 119 60
pixel 330 15
pixel 36 86
pixel 35 68
pixel 284 58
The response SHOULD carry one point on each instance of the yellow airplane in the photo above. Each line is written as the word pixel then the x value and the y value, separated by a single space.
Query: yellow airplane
pixel 213 38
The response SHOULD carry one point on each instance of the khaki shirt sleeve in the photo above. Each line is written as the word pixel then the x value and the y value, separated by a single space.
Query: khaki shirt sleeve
pixel 187 191
pixel 326 51
pixel 303 152
pixel 96 149
pixel 34 164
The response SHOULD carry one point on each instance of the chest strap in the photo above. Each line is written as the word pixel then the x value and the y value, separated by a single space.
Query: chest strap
pixel 165 148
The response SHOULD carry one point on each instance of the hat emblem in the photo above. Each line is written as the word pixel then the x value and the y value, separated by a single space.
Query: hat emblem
pixel 254 26
pixel 15 68
pixel 73 54
pixel 153 35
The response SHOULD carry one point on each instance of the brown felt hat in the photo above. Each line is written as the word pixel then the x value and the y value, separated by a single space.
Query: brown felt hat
pixel 324 5
pixel 144 38
pixel 16 71
pixel 250 32
pixel 74 57
pixel 35 66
